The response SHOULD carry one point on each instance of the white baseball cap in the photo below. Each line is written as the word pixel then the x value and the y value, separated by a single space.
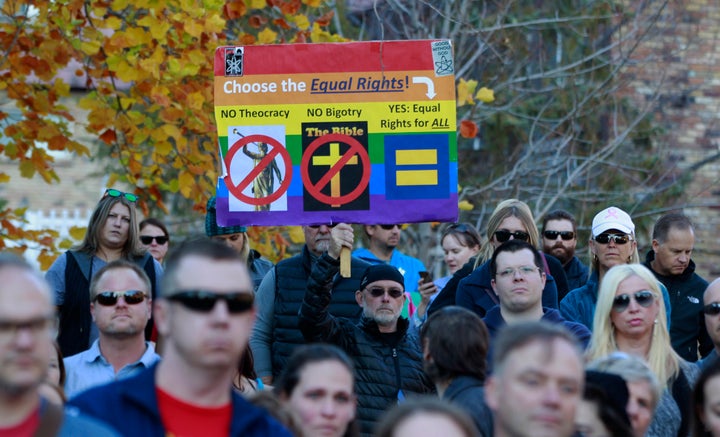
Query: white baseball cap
pixel 612 218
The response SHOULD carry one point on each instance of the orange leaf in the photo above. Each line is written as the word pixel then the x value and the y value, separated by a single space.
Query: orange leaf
pixel 234 9
pixel 468 129
pixel 108 136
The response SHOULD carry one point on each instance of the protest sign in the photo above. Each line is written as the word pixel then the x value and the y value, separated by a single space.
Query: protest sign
pixel 361 132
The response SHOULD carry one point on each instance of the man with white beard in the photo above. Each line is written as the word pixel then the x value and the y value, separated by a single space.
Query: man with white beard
pixel 278 299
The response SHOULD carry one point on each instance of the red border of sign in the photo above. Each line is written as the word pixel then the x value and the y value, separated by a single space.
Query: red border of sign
pixel 278 148
pixel 355 148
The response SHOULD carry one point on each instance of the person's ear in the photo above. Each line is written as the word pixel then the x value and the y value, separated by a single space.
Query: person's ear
pixel 491 393
pixel 161 314
pixel 359 298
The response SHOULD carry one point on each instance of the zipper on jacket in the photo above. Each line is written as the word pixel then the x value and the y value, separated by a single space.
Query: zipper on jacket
pixel 398 380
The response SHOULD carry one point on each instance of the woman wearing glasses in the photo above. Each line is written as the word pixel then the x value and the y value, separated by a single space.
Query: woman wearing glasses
pixel 511 219
pixel 155 238
pixel 630 317
pixel 612 242
pixel 112 233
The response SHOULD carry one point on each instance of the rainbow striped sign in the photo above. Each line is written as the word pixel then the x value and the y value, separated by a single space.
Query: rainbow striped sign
pixel 361 132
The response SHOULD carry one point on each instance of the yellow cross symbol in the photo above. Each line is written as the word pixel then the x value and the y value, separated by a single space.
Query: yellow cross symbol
pixel 331 160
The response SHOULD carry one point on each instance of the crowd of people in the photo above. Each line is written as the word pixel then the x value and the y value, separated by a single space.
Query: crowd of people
pixel 125 335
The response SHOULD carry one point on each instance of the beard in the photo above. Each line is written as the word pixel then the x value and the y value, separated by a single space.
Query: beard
pixel 562 253
pixel 322 245
pixel 381 318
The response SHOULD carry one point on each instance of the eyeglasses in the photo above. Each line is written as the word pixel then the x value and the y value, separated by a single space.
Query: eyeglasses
pixel 617 238
pixel 712 309
pixel 644 298
pixel 565 235
pixel 110 298
pixel 389 227
pixel 331 225
pixel 148 239
pixel 523 270
pixel 379 292
pixel 9 329
pixel 502 235
pixel 204 301
pixel 111 192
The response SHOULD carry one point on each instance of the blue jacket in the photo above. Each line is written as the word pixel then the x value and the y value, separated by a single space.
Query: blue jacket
pixel 476 294
pixel 131 407
pixel 494 321
pixel 579 304
pixel 577 273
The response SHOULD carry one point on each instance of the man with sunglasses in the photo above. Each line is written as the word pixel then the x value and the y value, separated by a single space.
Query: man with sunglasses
pixel 673 239
pixel 386 352
pixel 204 315
pixel 711 309
pixel 382 241
pixel 559 240
pixel 112 233
pixel 280 294
pixel 120 306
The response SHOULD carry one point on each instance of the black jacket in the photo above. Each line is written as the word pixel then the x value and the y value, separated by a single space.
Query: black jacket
pixel 388 367
pixel 291 281
pixel 687 326
pixel 468 393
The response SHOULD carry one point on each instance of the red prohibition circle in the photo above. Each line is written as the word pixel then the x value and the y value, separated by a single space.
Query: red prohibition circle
pixel 355 148
pixel 277 149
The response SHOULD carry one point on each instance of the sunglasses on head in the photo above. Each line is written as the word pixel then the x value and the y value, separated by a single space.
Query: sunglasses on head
pixel 331 225
pixel 379 291
pixel 565 235
pixel 617 238
pixel 502 235
pixel 204 301
pixel 148 239
pixel 111 192
pixel 644 298
pixel 389 227
pixel 110 298
pixel 712 309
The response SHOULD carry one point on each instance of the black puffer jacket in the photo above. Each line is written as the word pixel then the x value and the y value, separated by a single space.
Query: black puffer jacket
pixel 388 367
pixel 291 281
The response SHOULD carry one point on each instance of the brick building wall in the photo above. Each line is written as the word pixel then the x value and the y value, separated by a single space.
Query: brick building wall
pixel 680 61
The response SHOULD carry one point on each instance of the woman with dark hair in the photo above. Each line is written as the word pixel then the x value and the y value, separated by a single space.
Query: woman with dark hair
pixel 602 411
pixel 246 380
pixel 155 238
pixel 426 416
pixel 318 386
pixel 112 234
pixel 706 403
pixel 460 242
pixel 457 363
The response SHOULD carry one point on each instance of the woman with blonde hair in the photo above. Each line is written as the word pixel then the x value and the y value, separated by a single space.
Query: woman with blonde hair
pixel 630 317
pixel 511 219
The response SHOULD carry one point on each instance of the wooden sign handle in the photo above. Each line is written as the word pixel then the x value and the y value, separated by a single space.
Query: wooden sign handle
pixel 345 262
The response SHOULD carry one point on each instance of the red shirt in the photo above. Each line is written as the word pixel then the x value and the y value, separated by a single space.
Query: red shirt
pixel 182 419
pixel 26 428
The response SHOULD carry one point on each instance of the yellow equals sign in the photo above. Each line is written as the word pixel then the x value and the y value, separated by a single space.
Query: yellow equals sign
pixel 416 157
